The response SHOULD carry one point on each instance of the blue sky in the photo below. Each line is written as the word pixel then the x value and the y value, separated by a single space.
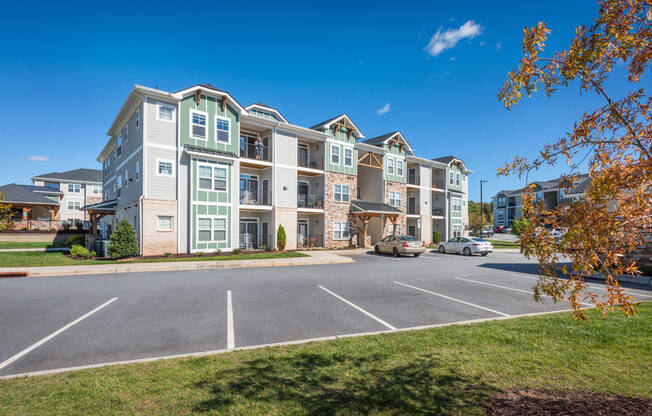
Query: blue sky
pixel 66 70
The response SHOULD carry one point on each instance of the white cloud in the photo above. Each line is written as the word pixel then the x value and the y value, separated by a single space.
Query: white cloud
pixel 37 158
pixel 383 110
pixel 499 46
pixel 452 58
pixel 441 41
pixel 482 43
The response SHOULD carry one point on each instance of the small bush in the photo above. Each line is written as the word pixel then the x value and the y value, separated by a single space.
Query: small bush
pixel 236 251
pixel 218 252
pixel 281 238
pixel 76 239
pixel 81 251
pixel 66 225
pixel 123 240
pixel 435 237
pixel 167 254
pixel 199 254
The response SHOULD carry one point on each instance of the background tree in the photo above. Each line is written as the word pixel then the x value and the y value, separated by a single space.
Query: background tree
pixel 5 214
pixel 615 216
pixel 474 215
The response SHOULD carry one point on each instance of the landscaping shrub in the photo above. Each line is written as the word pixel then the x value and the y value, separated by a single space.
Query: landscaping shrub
pixel 123 241
pixel 236 251
pixel 80 251
pixel 77 239
pixel 199 253
pixel 435 237
pixel 281 238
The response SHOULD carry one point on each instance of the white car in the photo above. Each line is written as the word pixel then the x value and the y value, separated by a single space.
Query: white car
pixel 466 246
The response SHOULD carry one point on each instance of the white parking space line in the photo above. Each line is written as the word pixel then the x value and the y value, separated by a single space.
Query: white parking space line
pixel 449 298
pixel 52 335
pixel 230 332
pixel 529 292
pixel 593 287
pixel 357 307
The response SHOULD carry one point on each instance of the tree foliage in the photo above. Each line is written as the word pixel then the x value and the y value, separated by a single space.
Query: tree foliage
pixel 123 240
pixel 474 215
pixel 519 225
pixel 615 215
pixel 281 238
pixel 5 214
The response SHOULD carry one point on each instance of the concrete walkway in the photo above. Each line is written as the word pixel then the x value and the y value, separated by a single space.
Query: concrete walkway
pixel 315 257
pixel 41 249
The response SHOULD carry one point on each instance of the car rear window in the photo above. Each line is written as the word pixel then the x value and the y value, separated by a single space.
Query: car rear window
pixel 482 240
pixel 407 238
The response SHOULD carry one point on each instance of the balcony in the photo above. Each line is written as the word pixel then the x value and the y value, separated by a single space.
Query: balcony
pixel 313 201
pixel 438 183
pixel 255 151
pixel 412 210
pixel 311 162
pixel 255 198
pixel 310 241
pixel 255 242
pixel 413 179
pixel 438 212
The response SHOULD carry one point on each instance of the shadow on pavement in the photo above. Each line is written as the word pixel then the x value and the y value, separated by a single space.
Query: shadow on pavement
pixel 339 383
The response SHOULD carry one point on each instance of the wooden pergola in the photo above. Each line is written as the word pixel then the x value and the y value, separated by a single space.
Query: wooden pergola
pixel 368 210
pixel 98 211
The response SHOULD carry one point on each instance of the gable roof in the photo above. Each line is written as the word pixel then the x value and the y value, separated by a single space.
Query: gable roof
pixel 18 194
pixel 324 125
pixel 211 87
pixel 267 107
pixel 447 159
pixel 79 175
pixel 382 139
pixel 376 207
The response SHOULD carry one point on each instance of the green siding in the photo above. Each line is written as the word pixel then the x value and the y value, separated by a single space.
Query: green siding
pixel 341 136
pixel 455 170
pixel 395 149
pixel 211 106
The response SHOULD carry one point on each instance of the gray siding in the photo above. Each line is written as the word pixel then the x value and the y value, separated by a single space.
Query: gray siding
pixel 158 186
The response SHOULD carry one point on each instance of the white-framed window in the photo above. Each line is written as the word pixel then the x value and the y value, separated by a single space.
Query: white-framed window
pixel 164 167
pixel 390 165
pixel 126 178
pixel 212 178
pixel 340 230
pixel 165 112
pixel 348 157
pixel 74 205
pixel 335 154
pixel 97 189
pixel 108 165
pixel 125 133
pixel 74 187
pixel 211 229
pixel 138 118
pixel 399 167
pixel 137 170
pixel 450 178
pixel 164 223
pixel 118 149
pixel 118 186
pixel 457 179
pixel 457 204
pixel 341 192
pixel 222 129
pixel 198 125
pixel 395 198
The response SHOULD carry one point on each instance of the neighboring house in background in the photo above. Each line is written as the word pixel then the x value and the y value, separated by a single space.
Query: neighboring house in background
pixel 33 207
pixel 507 204
pixel 77 188
pixel 195 171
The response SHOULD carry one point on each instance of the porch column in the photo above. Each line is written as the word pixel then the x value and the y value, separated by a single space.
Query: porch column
pixel 393 220
pixel 365 220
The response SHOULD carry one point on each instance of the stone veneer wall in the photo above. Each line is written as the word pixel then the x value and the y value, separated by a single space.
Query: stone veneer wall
pixel 402 219
pixel 338 211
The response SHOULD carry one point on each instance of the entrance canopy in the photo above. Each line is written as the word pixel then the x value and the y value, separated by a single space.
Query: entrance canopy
pixel 366 210
pixel 97 211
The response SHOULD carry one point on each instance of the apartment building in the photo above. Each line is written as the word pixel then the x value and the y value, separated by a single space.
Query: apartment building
pixel 507 204
pixel 196 171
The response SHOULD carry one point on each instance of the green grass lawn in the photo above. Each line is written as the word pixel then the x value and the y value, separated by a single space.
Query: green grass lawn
pixel 505 244
pixel 36 259
pixel 30 244
pixel 453 370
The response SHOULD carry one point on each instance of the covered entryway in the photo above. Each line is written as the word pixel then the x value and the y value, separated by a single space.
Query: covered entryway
pixel 371 218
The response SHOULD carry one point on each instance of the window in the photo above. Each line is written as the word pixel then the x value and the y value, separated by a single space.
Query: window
pixel 74 205
pixel 165 167
pixel 211 229
pixel 108 165
pixel 335 154
pixel 399 167
pixel 390 166
pixel 74 187
pixel 125 134
pixel 197 125
pixel 118 184
pixel 395 198
pixel 164 223
pixel 138 118
pixel 126 178
pixel 341 193
pixel 348 157
pixel 222 129
pixel 118 149
pixel 165 112
pixel 457 179
pixel 450 178
pixel 457 205
pixel 97 189
pixel 340 230
pixel 212 178
pixel 137 171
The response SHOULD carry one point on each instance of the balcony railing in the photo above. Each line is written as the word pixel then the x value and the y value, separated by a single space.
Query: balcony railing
pixel 310 241
pixel 255 242
pixel 255 198
pixel 438 183
pixel 413 179
pixel 412 210
pixel 437 211
pixel 308 161
pixel 254 151
pixel 310 201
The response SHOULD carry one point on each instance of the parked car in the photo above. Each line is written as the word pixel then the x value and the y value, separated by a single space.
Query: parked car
pixel 500 229
pixel 466 246
pixel 400 244
pixel 487 232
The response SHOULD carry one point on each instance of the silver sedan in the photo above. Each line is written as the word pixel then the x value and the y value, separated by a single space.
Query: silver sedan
pixel 466 246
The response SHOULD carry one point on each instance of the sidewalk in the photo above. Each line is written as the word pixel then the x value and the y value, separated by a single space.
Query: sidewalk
pixel 316 257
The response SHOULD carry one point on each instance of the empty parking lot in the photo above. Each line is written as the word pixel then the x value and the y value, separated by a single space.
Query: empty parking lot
pixel 61 322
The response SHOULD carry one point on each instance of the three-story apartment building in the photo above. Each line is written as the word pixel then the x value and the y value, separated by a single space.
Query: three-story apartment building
pixel 195 171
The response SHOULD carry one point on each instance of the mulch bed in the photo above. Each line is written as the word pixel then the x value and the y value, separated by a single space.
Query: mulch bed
pixel 533 402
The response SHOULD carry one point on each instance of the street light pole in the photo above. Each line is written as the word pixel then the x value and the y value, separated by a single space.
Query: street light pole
pixel 481 205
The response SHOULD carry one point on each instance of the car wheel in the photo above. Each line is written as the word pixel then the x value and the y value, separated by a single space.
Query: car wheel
pixel 484 254
pixel 417 254
pixel 396 253
pixel 467 251
pixel 377 250
pixel 442 249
